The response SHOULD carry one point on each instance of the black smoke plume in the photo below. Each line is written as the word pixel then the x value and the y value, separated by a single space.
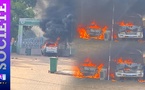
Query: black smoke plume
pixel 59 20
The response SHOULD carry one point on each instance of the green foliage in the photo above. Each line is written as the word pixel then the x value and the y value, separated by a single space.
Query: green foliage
pixel 20 9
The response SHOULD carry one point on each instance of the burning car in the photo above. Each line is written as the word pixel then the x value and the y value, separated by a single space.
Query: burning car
pixel 57 48
pixel 129 70
pixel 128 30
pixel 93 31
pixel 49 48
pixel 99 34
pixel 88 69
pixel 129 67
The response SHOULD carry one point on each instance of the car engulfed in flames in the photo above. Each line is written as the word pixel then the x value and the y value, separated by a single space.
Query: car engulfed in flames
pixel 127 68
pixel 93 31
pixel 89 70
pixel 50 47
pixel 129 30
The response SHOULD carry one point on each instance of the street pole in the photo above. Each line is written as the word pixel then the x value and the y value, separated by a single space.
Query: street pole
pixel 110 46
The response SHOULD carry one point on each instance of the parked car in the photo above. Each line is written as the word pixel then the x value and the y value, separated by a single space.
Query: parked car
pixel 98 33
pixel 128 32
pixel 132 67
pixel 49 49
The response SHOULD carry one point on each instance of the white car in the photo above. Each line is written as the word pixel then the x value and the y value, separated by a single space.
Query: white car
pixel 130 32
pixel 49 48
pixel 132 70
pixel 131 65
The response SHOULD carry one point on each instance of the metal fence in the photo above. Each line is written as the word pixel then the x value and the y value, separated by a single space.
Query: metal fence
pixel 33 43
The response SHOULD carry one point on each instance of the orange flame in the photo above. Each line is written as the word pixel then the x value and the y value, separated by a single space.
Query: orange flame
pixel 115 36
pixel 122 23
pixel 126 69
pixel 126 61
pixel 141 41
pixel 83 31
pixel 87 63
pixel 56 42
pixel 141 81
pixel 51 45
pixel 112 77
pixel 94 25
pixel 77 73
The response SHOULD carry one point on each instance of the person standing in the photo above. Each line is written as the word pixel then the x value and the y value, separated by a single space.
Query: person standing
pixel 11 44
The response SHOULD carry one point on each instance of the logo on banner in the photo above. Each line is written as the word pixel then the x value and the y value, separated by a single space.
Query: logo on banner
pixel 2 76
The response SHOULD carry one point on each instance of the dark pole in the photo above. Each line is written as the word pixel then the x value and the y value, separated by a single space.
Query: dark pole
pixel 110 46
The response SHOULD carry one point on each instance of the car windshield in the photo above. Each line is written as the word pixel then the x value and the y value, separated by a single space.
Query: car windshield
pixel 95 30
pixel 130 28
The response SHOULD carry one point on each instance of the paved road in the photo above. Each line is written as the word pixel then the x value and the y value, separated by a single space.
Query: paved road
pixel 31 73
pixel 99 51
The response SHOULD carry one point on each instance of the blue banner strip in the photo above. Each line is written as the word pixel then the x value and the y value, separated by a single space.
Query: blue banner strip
pixel 4 44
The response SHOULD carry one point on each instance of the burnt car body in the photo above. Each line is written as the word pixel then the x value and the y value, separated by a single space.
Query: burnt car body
pixel 94 33
pixel 88 71
pixel 130 32
pixel 60 49
pixel 131 70
pixel 49 49
pixel 92 71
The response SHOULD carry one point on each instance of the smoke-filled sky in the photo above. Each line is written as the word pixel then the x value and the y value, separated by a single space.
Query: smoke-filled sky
pixel 85 11
pixel 102 12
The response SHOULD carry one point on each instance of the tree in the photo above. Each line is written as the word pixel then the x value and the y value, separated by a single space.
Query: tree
pixel 20 9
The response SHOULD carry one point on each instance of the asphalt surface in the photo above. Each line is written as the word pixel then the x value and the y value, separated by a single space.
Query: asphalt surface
pixel 31 73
